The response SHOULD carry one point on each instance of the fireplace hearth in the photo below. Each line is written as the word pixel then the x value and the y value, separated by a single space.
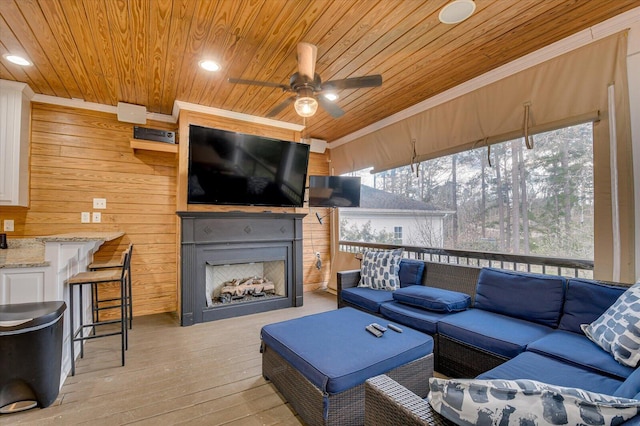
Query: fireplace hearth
pixel 238 263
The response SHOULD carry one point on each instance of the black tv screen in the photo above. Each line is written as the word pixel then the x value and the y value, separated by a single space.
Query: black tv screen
pixel 334 191
pixel 235 168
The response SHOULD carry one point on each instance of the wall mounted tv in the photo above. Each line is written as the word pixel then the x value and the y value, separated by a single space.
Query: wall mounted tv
pixel 234 168
pixel 334 191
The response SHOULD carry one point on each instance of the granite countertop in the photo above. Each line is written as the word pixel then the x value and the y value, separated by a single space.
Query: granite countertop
pixel 29 252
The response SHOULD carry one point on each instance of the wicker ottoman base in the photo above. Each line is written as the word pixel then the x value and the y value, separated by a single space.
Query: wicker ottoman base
pixel 344 408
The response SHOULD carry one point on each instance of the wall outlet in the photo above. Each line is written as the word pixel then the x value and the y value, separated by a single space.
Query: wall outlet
pixel 96 217
pixel 8 225
pixel 85 217
pixel 99 203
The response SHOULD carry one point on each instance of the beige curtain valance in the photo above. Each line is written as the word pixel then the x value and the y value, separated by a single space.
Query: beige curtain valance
pixel 571 85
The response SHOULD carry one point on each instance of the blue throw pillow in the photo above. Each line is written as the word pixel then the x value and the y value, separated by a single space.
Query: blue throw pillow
pixel 411 272
pixel 532 297
pixel 432 299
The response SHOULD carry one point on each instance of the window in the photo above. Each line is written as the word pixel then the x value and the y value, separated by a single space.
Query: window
pixel 514 200
pixel 397 234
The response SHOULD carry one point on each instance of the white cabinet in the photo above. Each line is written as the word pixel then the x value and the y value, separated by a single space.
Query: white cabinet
pixel 15 120
pixel 22 285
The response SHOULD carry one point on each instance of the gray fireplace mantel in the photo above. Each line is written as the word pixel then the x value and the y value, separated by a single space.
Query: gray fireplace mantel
pixel 236 237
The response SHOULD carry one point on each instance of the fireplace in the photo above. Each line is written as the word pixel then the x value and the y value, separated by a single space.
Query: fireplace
pixel 238 263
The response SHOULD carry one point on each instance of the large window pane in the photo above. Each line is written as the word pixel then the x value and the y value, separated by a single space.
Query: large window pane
pixel 515 200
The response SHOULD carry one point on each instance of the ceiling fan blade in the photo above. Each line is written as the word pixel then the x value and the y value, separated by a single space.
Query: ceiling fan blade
pixel 353 83
pixel 259 83
pixel 334 110
pixel 307 55
pixel 281 106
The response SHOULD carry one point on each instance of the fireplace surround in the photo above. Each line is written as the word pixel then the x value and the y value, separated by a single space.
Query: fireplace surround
pixel 223 239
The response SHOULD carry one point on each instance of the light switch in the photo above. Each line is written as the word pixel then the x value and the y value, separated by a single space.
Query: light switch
pixel 85 217
pixel 8 225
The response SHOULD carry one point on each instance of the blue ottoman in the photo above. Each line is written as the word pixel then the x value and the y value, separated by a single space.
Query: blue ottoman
pixel 320 362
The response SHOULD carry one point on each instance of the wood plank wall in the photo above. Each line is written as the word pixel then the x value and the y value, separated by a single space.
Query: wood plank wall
pixel 77 155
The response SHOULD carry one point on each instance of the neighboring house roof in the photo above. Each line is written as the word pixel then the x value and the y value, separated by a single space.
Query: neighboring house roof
pixel 371 198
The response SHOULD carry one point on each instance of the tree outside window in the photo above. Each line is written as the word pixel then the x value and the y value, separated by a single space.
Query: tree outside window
pixel 522 201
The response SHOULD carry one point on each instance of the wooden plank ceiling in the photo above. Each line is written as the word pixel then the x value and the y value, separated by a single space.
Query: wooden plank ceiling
pixel 146 52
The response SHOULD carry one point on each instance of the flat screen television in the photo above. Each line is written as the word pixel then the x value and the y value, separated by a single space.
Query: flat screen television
pixel 235 168
pixel 334 191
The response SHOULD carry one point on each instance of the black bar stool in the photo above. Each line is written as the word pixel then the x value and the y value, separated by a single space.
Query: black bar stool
pixel 98 278
pixel 97 304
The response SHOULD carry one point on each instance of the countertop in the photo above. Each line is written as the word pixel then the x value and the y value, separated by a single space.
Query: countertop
pixel 29 252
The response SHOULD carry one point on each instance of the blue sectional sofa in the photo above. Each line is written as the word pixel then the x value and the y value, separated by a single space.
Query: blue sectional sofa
pixel 516 326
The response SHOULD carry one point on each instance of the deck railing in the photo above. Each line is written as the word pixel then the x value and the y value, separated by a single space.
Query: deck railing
pixel 581 268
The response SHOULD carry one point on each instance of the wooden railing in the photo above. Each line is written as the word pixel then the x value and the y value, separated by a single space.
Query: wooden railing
pixel 582 268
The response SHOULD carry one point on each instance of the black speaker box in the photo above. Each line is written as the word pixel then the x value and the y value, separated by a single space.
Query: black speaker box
pixel 154 134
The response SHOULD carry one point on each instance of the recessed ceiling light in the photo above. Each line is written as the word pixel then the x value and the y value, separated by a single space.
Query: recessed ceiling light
pixel 331 96
pixel 209 65
pixel 18 60
pixel 457 11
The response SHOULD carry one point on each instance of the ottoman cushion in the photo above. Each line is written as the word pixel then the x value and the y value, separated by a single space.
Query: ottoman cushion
pixel 335 352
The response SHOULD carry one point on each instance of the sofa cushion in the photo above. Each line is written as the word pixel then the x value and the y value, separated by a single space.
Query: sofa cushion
pixel 617 331
pixel 432 299
pixel 379 269
pixel 532 297
pixel 416 318
pixel 585 301
pixel 578 349
pixel 531 365
pixel 498 334
pixel 335 352
pixel 366 298
pixel 630 388
pixel 518 402
pixel 411 272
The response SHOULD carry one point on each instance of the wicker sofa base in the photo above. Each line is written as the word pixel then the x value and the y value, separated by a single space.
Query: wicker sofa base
pixel 456 359
pixel 389 403
pixel 344 408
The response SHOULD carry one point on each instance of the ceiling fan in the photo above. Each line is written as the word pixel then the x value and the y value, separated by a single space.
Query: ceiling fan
pixel 306 85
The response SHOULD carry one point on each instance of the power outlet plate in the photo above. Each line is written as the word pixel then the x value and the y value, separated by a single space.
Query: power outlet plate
pixel 96 217
pixel 99 203
pixel 85 217
pixel 8 225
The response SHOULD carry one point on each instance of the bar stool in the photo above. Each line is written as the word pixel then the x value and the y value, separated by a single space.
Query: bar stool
pixel 98 278
pixel 95 298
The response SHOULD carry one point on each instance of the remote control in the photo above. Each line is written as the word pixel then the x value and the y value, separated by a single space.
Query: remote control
pixel 371 329
pixel 395 328
pixel 379 327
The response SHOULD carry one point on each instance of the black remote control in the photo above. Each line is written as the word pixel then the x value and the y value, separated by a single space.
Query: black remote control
pixel 379 327
pixel 395 328
pixel 371 329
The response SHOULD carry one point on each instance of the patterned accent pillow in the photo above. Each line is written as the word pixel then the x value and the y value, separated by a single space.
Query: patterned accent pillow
pixel 525 402
pixel 617 330
pixel 379 269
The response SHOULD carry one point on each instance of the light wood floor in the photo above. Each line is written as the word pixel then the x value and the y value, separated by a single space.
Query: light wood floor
pixel 206 374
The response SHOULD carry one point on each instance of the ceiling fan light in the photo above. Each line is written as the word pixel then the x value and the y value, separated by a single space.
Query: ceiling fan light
pixel 456 11
pixel 331 96
pixel 209 65
pixel 306 106
pixel 18 60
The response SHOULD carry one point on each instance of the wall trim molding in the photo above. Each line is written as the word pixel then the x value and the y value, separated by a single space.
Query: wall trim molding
pixel 173 118
pixel 575 41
